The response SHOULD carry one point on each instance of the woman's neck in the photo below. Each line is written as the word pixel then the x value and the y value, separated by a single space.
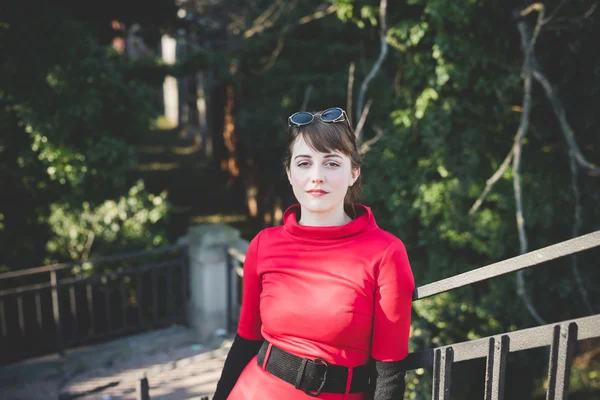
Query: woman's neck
pixel 335 217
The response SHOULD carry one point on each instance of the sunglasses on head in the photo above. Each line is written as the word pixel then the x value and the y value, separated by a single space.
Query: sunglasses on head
pixel 331 115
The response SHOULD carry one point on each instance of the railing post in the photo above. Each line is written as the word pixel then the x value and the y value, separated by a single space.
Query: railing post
pixel 75 320
pixel 56 311
pixel 228 271
pixel 107 303
pixel 124 300
pixel 442 365
pixel 561 352
pixel 143 392
pixel 139 298
pixel 170 299
pixel 21 314
pixel 38 312
pixel 184 273
pixel 90 306
pixel 3 330
pixel 154 279
pixel 495 368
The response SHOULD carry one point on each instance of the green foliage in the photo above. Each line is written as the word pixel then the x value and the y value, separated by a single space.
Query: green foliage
pixel 359 14
pixel 450 129
pixel 132 221
pixel 71 114
pixel 447 98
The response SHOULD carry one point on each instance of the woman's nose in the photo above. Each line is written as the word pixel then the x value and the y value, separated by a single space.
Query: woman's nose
pixel 317 175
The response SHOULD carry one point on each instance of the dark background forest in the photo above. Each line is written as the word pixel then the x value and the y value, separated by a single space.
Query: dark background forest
pixel 454 95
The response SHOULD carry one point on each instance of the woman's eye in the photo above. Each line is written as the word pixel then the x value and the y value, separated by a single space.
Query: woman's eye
pixel 332 164
pixel 303 164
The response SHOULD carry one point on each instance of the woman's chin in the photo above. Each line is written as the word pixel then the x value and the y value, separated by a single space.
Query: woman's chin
pixel 317 205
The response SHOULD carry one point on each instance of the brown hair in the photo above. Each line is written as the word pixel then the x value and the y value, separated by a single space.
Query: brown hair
pixel 326 137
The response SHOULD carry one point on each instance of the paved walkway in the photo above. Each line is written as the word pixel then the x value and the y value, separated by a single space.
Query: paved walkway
pixel 175 365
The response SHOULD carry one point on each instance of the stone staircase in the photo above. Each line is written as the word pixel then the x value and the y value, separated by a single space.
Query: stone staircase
pixel 174 364
pixel 198 192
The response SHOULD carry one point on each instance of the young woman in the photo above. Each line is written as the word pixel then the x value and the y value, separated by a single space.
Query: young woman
pixel 327 296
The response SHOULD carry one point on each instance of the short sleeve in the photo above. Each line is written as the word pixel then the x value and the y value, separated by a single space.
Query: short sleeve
pixel 250 323
pixel 393 304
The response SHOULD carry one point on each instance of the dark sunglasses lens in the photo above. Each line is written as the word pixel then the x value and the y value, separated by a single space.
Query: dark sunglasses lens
pixel 331 115
pixel 301 118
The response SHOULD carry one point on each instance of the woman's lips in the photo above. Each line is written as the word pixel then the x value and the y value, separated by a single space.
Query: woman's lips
pixel 317 193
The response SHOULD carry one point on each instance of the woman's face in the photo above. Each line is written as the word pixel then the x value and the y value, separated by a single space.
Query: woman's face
pixel 320 180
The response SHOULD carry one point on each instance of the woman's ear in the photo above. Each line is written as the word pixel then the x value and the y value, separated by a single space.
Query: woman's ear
pixel 354 176
pixel 289 174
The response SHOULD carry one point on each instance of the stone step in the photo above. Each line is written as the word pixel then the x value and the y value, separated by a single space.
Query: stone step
pixel 184 153
pixel 176 368
pixel 183 378
pixel 80 359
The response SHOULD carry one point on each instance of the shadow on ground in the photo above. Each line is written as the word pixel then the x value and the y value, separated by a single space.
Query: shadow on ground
pixel 174 363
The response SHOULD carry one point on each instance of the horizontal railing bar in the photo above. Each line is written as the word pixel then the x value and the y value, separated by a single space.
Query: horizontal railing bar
pixel 58 267
pixel 114 275
pixel 121 331
pixel 238 255
pixel 525 339
pixel 523 261
pixel 39 287
pixel 88 279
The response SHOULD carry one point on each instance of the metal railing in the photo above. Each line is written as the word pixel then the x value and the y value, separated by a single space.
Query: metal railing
pixel 78 308
pixel 561 336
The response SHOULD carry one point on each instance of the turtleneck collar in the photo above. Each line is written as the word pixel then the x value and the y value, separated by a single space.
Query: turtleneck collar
pixel 363 222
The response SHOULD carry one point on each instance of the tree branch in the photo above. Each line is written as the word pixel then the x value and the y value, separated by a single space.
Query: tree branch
pixel 519 202
pixel 556 10
pixel 382 54
pixel 531 69
pixel 307 93
pixel 489 184
pixel 531 8
pixel 516 163
pixel 267 19
pixel 317 15
pixel 88 245
pixel 539 7
pixel 361 122
pixel 277 51
pixel 350 91
pixel 563 22
pixel 566 129
pixel 366 146
pixel 272 14
pixel 576 232
pixel 527 46
pixel 590 11
pixel 261 24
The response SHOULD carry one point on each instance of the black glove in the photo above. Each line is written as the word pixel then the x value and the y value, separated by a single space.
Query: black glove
pixel 241 352
pixel 389 381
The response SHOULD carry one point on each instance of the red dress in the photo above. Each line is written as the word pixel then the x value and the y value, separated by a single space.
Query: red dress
pixel 340 293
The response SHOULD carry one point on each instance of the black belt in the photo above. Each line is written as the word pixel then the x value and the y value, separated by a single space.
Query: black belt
pixel 313 376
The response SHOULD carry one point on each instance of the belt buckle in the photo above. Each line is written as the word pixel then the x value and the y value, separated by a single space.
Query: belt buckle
pixel 318 392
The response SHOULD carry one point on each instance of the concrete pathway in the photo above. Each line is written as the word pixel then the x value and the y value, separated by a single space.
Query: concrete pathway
pixel 175 365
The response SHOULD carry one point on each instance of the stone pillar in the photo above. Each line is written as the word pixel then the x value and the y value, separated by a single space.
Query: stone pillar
pixel 170 89
pixel 207 308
